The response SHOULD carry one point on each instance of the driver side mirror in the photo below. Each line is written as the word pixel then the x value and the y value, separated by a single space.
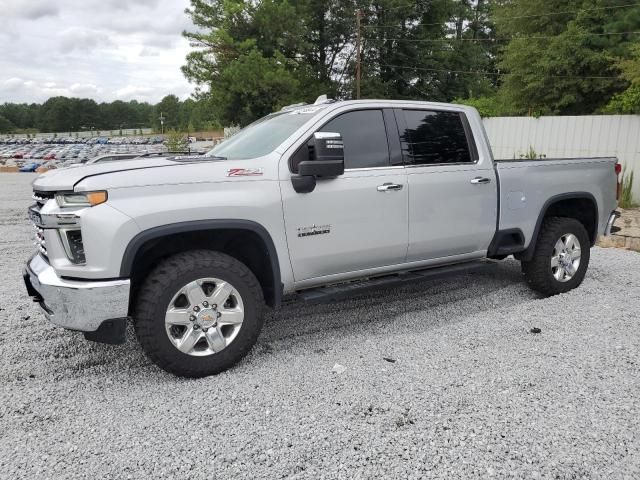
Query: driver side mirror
pixel 326 159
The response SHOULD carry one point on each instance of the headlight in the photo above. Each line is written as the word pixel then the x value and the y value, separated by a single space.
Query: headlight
pixel 88 199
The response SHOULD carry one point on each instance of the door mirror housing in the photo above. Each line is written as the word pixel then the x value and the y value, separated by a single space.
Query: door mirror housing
pixel 326 152
pixel 326 156
pixel 326 160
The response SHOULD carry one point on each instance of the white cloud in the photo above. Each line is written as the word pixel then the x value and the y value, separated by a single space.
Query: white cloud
pixel 101 49
pixel 12 84
pixel 84 89
pixel 82 39
pixel 133 91
pixel 173 25
pixel 126 5
pixel 29 9
pixel 149 52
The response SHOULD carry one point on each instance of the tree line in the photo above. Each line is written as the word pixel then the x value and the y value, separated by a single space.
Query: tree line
pixel 63 114
pixel 507 57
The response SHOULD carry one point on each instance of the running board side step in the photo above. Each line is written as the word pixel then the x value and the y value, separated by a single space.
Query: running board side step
pixel 342 290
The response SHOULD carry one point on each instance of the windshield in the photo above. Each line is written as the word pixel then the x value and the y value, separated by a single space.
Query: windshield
pixel 263 136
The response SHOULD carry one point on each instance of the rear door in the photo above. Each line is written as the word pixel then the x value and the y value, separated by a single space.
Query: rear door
pixel 452 190
pixel 357 221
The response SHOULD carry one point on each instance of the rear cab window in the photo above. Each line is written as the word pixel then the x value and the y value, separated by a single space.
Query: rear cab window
pixel 433 137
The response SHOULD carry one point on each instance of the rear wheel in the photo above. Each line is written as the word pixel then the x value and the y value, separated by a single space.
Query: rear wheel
pixel 561 257
pixel 199 313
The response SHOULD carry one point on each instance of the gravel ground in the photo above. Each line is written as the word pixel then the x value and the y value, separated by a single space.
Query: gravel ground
pixel 469 391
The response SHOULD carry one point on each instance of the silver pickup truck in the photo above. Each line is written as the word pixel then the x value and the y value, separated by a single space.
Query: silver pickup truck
pixel 315 200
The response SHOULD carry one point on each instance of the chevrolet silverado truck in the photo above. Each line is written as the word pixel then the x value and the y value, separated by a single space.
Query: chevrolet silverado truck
pixel 311 201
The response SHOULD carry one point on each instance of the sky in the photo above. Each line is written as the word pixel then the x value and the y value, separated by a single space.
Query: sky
pixel 101 49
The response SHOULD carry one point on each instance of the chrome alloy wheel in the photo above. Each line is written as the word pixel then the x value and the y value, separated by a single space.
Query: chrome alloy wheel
pixel 204 317
pixel 565 260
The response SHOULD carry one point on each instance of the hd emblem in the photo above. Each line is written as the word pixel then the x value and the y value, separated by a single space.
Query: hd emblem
pixel 314 230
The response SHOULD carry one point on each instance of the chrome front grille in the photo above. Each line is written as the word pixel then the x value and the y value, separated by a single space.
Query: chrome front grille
pixel 41 198
pixel 39 240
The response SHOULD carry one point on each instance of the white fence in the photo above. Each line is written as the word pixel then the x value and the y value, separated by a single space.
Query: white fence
pixel 565 137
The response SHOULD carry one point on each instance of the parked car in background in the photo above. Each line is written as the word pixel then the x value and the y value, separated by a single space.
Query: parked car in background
pixel 29 167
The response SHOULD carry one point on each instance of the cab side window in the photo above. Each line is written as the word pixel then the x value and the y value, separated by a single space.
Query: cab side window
pixel 434 138
pixel 364 136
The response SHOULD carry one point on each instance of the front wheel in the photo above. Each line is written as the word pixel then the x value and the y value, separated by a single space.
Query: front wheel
pixel 199 313
pixel 561 257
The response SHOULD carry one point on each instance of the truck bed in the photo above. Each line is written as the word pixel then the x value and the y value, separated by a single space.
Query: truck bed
pixel 527 187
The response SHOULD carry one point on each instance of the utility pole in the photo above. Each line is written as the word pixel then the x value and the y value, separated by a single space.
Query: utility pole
pixel 162 118
pixel 358 51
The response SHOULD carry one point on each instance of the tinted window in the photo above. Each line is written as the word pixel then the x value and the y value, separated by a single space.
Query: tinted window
pixel 434 138
pixel 364 136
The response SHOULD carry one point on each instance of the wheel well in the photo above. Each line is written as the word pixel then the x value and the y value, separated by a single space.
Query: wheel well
pixel 244 245
pixel 583 210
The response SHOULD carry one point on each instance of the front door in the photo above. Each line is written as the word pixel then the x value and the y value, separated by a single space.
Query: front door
pixel 357 221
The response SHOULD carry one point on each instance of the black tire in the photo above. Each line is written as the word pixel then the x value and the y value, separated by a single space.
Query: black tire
pixel 538 271
pixel 165 281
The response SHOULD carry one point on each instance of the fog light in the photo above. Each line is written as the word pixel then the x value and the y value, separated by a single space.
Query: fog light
pixel 73 246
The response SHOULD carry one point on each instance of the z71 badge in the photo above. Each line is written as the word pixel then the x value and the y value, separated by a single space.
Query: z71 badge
pixel 314 230
pixel 244 172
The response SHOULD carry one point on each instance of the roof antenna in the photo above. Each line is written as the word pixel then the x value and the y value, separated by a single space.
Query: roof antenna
pixel 321 99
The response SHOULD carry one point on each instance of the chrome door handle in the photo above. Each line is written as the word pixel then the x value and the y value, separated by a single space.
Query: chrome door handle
pixel 480 181
pixel 390 187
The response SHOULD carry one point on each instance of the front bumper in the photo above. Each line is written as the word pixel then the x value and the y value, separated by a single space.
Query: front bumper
pixel 81 305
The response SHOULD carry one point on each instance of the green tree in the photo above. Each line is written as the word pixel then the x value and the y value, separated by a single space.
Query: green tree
pixel 21 115
pixel 169 108
pixel 55 115
pixel 266 85
pixel 248 58
pixel 5 125
pixel 296 50
pixel 563 63
pixel 488 106
pixel 628 101
pixel 177 142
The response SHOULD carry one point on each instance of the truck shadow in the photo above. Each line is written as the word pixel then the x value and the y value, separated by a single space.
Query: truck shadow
pixel 475 292
pixel 412 307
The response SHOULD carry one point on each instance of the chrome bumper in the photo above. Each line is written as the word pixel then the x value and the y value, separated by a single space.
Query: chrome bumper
pixel 612 219
pixel 74 304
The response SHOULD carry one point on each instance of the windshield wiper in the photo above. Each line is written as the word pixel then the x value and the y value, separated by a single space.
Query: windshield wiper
pixel 217 157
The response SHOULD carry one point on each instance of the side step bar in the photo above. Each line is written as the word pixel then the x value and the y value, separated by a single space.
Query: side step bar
pixel 342 290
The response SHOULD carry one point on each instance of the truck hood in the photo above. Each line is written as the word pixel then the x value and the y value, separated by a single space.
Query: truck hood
pixel 65 179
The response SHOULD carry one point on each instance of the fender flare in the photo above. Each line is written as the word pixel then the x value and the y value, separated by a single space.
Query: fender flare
pixel 527 254
pixel 126 266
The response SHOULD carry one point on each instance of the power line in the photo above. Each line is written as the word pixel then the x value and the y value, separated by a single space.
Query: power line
pixel 537 15
pixel 411 85
pixel 496 74
pixel 503 39
pixel 407 6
